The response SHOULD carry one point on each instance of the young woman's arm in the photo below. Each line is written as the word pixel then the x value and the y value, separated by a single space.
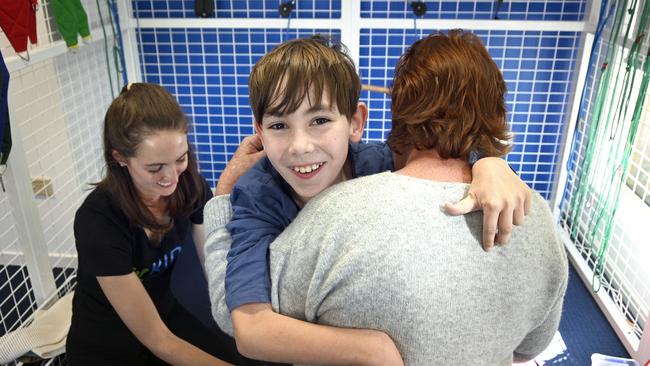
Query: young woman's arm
pixel 134 306
pixel 263 334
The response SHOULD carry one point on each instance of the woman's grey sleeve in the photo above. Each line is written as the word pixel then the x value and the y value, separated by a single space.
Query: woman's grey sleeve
pixel 217 214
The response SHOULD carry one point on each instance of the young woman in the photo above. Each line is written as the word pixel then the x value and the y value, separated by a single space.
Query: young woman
pixel 129 231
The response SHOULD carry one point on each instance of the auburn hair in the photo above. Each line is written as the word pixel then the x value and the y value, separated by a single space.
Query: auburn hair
pixel 139 111
pixel 448 95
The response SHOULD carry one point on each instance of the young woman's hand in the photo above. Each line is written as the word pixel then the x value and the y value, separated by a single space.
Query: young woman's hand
pixel 504 198
pixel 249 152
pixel 135 308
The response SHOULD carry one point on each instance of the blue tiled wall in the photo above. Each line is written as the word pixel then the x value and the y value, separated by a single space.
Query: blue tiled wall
pixel 207 69
pixel 320 9
pixel 486 9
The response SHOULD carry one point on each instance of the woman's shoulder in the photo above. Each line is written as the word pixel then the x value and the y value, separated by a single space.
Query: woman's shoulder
pixel 100 203
pixel 98 198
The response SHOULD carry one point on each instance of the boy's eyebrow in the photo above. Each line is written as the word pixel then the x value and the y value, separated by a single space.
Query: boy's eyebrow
pixel 313 109
pixel 156 164
pixel 320 108
pixel 274 114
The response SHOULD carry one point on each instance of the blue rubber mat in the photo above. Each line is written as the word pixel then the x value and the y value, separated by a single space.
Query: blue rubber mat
pixel 584 328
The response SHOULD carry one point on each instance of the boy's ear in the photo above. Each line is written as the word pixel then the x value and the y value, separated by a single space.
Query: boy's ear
pixel 118 157
pixel 358 122
pixel 258 131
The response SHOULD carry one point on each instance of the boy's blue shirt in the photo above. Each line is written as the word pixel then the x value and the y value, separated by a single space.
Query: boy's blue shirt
pixel 262 209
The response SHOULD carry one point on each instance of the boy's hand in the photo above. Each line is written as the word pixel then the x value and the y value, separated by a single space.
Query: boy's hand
pixel 504 198
pixel 263 334
pixel 249 152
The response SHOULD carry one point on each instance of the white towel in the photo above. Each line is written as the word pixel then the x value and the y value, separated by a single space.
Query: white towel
pixel 44 336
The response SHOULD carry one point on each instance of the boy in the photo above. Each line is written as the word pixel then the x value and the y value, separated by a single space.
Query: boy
pixel 304 97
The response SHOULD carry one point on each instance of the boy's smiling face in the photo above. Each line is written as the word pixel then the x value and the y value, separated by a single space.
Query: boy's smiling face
pixel 309 147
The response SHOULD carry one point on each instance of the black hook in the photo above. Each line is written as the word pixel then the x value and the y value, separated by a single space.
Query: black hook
pixel 286 8
pixel 419 8
pixel 498 9
pixel 204 8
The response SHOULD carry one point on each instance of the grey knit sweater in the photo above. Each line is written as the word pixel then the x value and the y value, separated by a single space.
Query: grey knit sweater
pixel 375 253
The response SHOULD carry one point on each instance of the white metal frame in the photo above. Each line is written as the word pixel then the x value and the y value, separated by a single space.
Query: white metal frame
pixel 129 41
pixel 348 15
pixel 28 224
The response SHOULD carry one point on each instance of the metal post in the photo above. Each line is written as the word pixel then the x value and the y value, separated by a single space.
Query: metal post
pixel 28 221
pixel 643 353
pixel 129 41
pixel 350 28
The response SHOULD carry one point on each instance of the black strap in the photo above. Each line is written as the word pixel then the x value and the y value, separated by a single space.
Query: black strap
pixel 5 131
pixel 5 144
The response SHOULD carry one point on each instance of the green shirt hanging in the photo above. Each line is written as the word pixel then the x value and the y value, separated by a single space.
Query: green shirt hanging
pixel 71 19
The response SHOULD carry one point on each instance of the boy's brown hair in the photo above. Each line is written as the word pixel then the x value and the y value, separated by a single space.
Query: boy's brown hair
pixel 448 95
pixel 304 68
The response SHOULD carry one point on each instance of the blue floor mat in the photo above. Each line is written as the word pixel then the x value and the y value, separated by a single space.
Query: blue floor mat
pixel 584 328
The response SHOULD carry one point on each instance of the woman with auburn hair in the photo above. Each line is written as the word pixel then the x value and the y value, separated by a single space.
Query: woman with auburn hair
pixel 129 232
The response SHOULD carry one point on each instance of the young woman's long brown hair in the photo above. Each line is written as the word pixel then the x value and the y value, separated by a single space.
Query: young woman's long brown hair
pixel 141 110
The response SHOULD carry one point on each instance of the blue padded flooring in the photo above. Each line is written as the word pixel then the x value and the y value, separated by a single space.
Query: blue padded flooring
pixel 584 328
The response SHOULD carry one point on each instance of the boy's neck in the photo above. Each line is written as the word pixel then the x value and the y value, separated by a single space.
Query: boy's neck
pixel 427 164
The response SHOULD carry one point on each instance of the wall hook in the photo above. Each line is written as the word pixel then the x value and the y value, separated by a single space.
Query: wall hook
pixel 286 8
pixel 419 8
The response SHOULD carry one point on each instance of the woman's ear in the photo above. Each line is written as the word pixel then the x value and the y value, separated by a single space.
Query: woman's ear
pixel 358 122
pixel 119 158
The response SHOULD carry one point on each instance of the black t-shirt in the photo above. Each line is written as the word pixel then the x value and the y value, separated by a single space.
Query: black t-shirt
pixel 108 245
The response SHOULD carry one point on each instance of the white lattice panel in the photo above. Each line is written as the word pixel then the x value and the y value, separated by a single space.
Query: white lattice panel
pixel 58 106
pixel 57 103
pixel 625 269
